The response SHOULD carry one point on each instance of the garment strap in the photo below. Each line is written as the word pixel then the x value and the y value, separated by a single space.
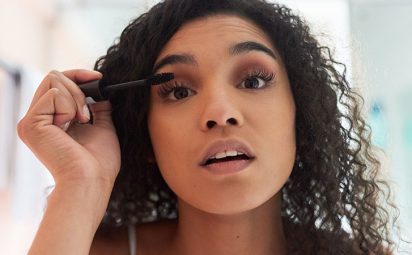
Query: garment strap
pixel 132 239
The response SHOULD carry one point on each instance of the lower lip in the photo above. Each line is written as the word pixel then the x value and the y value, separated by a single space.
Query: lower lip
pixel 228 167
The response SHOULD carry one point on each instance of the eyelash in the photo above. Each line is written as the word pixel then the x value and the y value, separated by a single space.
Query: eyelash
pixel 262 74
pixel 169 87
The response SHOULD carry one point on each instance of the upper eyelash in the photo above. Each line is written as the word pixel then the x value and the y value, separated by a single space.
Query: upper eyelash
pixel 261 73
pixel 166 88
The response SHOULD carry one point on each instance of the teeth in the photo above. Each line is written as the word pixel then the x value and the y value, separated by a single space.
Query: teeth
pixel 227 154
pixel 231 153
pixel 220 155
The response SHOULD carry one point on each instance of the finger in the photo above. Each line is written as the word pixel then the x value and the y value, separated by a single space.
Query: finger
pixel 58 84
pixel 53 108
pixel 83 114
pixel 59 80
pixel 37 131
pixel 51 80
pixel 76 75
pixel 102 113
pixel 82 75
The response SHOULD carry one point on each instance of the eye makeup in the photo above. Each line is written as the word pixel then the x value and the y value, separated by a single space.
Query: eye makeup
pixel 256 76
pixel 251 72
pixel 260 73
pixel 173 86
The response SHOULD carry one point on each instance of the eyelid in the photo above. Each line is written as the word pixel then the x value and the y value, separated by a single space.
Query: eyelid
pixel 267 75
pixel 260 72
pixel 167 88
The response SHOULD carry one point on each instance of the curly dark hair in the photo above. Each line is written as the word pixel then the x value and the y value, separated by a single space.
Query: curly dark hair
pixel 333 202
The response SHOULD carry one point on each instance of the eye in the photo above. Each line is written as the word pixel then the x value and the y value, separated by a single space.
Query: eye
pixel 257 79
pixel 253 83
pixel 174 91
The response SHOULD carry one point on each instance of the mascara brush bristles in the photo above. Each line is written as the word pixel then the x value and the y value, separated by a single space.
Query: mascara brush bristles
pixel 160 78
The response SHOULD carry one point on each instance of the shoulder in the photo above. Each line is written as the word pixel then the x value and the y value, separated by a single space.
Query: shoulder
pixel 151 238
pixel 155 236
pixel 110 241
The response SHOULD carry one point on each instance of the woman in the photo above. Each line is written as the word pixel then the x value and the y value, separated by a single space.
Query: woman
pixel 245 152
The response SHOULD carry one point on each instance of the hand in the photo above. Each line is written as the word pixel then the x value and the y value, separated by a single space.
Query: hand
pixel 56 129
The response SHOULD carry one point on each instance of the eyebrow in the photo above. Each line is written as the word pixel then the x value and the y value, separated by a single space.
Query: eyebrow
pixel 235 50
pixel 245 47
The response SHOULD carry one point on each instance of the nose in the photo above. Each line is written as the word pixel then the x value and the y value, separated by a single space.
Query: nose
pixel 220 110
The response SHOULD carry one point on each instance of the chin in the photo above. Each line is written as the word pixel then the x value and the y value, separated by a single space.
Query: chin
pixel 232 206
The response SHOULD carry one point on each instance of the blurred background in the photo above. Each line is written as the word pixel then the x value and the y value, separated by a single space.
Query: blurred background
pixel 372 37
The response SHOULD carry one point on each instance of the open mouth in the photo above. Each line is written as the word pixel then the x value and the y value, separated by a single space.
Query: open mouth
pixel 228 158
pixel 225 153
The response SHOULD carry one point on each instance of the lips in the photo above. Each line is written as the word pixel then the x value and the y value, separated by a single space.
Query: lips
pixel 226 145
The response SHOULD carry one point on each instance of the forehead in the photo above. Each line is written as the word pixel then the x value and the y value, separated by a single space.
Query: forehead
pixel 214 30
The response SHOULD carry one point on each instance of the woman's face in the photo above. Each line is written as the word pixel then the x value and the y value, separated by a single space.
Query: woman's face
pixel 230 93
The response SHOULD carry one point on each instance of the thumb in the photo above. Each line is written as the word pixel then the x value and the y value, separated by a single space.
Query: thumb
pixel 101 113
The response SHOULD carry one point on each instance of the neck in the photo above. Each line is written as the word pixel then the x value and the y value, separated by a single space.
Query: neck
pixel 258 231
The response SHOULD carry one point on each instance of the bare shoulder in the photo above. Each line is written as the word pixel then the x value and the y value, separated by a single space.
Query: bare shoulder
pixel 113 241
pixel 155 237
pixel 151 238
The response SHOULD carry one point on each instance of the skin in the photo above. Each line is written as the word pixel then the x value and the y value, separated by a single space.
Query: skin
pixel 83 160
pixel 237 213
pixel 218 214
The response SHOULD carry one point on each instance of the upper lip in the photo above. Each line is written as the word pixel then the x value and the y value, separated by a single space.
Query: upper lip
pixel 226 145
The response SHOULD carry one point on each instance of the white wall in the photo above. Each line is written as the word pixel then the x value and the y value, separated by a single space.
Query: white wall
pixel 24 40
pixel 383 30
pixel 329 21
pixel 24 27
pixel 81 35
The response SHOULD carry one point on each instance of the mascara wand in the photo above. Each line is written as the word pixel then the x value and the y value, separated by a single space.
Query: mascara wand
pixel 98 92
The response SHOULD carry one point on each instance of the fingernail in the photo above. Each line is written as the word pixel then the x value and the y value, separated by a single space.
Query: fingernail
pixel 86 112
pixel 65 126
pixel 97 72
pixel 90 100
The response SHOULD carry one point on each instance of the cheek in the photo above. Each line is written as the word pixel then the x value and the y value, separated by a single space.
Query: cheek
pixel 275 127
pixel 170 137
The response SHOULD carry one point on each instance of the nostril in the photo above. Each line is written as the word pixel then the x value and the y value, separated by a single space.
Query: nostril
pixel 232 121
pixel 210 123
